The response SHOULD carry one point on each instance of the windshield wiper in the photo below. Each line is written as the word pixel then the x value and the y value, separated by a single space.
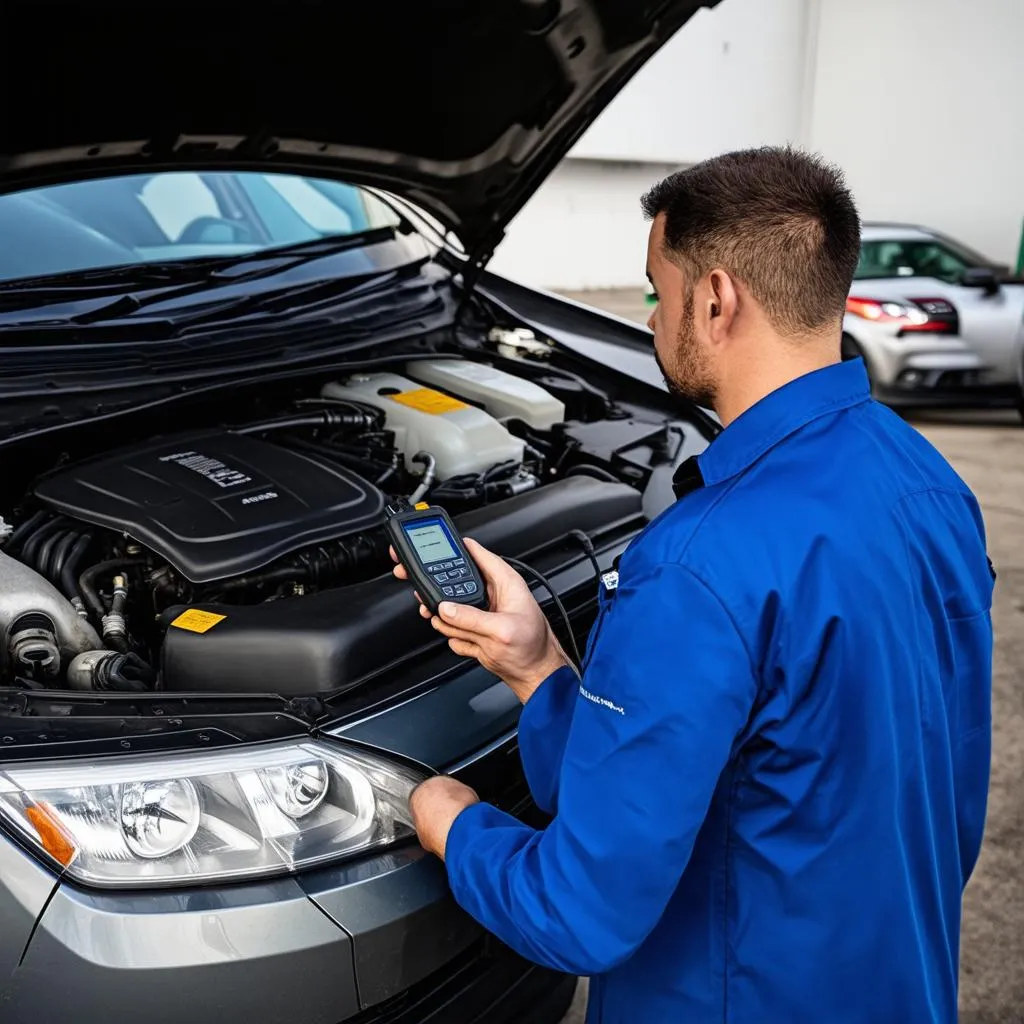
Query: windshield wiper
pixel 263 307
pixel 168 280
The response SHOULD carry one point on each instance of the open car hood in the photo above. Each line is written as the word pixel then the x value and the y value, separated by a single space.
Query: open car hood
pixel 461 106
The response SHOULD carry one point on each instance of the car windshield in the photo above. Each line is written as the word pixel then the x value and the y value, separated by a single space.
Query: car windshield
pixel 923 257
pixel 142 218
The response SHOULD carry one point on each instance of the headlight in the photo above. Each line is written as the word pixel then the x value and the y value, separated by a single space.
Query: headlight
pixel 200 818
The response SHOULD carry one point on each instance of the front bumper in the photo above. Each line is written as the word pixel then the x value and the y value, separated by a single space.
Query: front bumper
pixel 376 939
pixel 948 389
pixel 930 370
pixel 384 942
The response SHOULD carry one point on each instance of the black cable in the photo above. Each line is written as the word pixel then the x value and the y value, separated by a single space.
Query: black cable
pixel 323 418
pixel 350 403
pixel 596 472
pixel 588 546
pixel 543 581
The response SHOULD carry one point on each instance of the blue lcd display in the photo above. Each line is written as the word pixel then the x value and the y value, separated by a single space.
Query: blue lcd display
pixel 430 540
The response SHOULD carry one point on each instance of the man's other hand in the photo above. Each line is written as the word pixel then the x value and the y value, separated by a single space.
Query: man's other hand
pixel 513 640
pixel 434 805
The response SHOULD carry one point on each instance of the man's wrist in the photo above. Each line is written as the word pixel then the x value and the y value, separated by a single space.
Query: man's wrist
pixel 554 659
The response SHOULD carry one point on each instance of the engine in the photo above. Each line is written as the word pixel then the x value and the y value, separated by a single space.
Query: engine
pixel 251 557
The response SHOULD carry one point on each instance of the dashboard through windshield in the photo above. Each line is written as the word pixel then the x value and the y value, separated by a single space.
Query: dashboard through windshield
pixel 145 218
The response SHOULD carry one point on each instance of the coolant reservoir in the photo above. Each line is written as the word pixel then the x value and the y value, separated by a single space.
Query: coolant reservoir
pixel 501 394
pixel 461 437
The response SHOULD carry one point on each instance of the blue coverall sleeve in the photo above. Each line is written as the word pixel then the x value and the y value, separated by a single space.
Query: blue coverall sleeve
pixel 544 732
pixel 669 687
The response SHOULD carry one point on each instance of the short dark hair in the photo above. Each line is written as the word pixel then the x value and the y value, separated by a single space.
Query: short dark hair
pixel 780 220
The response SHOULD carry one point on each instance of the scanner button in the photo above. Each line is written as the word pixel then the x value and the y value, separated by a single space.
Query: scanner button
pixel 460 591
pixel 470 587
pixel 447 565
pixel 440 576
pixel 459 561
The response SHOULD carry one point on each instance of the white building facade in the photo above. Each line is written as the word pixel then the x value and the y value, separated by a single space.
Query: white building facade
pixel 921 102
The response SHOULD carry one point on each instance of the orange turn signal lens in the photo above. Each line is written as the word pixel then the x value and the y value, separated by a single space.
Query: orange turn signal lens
pixel 53 837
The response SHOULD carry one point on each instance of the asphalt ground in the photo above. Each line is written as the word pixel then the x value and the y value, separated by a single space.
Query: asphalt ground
pixel 987 450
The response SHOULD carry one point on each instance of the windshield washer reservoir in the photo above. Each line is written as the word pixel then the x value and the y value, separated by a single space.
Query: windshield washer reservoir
pixel 461 437
pixel 503 395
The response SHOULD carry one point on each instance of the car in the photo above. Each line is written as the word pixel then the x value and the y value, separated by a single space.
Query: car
pixel 934 321
pixel 1019 349
pixel 244 305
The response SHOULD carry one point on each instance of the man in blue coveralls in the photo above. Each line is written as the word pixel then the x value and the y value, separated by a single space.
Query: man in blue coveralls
pixel 768 785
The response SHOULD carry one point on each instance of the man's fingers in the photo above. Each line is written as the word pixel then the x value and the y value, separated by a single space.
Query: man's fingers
pixel 464 648
pixel 468 618
pixel 453 632
pixel 399 572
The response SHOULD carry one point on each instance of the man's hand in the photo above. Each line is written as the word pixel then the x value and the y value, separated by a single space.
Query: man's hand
pixel 434 805
pixel 513 640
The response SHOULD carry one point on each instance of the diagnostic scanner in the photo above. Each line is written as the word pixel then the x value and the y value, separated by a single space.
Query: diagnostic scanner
pixel 432 553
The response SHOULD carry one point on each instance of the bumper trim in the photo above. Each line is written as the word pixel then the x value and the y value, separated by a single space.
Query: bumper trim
pixel 488 984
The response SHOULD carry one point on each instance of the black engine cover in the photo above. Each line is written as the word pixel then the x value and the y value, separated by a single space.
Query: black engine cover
pixel 329 641
pixel 216 504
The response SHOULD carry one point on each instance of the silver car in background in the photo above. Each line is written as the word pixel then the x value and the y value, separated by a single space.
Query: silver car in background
pixel 935 322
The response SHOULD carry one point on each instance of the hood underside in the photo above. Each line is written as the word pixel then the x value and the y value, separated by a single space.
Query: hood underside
pixel 461 106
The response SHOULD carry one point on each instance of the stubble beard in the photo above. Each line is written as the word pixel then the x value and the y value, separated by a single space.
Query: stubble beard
pixel 690 376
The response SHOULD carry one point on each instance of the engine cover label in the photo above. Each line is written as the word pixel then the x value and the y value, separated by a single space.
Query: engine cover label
pixel 213 469
pixel 427 400
pixel 195 620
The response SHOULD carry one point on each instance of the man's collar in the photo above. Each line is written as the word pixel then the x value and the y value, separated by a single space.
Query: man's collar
pixel 780 414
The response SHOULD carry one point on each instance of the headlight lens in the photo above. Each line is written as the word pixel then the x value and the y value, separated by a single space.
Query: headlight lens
pixel 200 818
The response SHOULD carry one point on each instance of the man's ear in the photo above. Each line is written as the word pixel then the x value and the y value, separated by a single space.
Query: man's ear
pixel 721 303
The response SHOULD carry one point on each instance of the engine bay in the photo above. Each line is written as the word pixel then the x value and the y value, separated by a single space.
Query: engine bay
pixel 250 557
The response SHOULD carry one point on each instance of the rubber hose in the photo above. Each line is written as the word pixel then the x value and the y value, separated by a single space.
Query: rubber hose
pixel 87 582
pixel 23 530
pixel 28 555
pixel 69 571
pixel 429 464
pixel 47 551
pixel 53 570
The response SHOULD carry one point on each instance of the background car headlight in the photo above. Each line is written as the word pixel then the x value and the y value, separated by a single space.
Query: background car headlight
pixel 187 819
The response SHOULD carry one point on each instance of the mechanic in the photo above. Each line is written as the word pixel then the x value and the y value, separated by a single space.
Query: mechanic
pixel 768 786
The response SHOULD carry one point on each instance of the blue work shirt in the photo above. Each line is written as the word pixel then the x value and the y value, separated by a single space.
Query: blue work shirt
pixel 769 785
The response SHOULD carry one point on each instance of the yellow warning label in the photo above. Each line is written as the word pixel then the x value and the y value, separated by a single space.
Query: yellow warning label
pixel 429 401
pixel 195 620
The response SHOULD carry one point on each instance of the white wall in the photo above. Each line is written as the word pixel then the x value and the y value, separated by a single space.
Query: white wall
pixel 922 103
pixel 583 229
pixel 733 76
